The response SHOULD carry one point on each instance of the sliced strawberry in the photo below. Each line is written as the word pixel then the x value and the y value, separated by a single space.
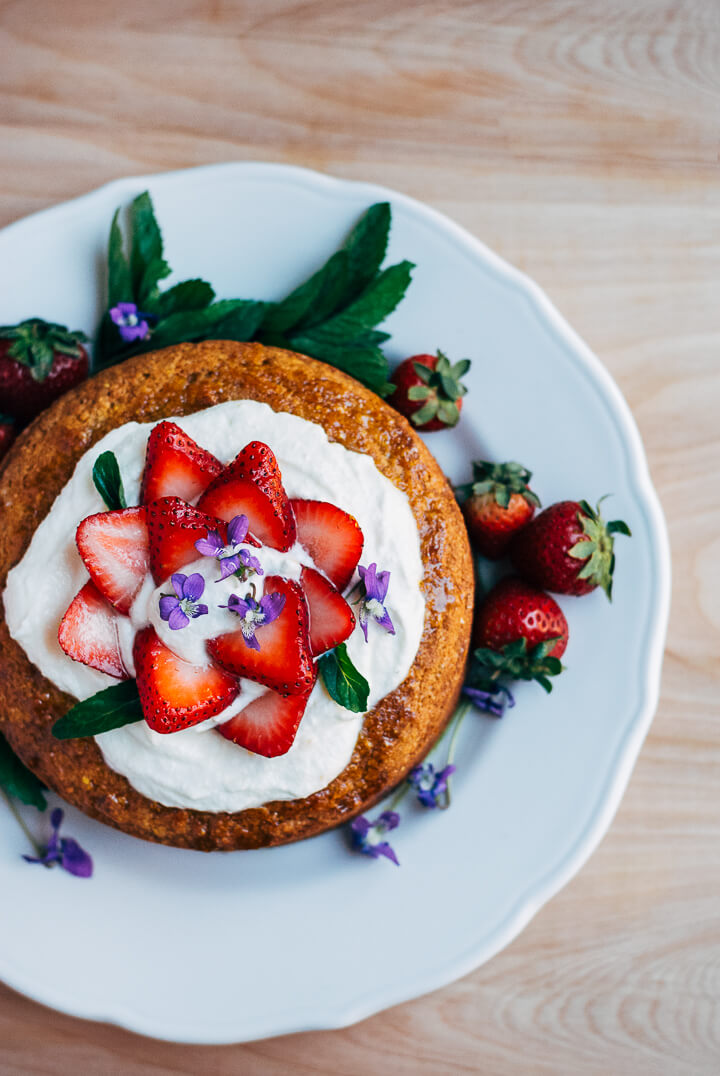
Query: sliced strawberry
pixel 331 618
pixel 252 485
pixel 268 725
pixel 114 547
pixel 284 660
pixel 173 693
pixel 332 538
pixel 88 632
pixel 175 465
pixel 174 527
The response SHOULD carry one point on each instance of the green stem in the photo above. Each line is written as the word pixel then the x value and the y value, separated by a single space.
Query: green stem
pixel 399 793
pixel 39 852
pixel 460 712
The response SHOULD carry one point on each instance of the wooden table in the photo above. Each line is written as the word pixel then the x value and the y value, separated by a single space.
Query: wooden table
pixel 579 139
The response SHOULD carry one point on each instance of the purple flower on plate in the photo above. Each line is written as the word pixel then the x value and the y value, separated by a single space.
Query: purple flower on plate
pixel 492 702
pixel 232 558
pixel 64 850
pixel 373 591
pixel 369 837
pixel 254 614
pixel 429 784
pixel 180 607
pixel 131 324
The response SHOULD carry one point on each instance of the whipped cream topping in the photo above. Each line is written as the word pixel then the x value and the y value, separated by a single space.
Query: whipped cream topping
pixel 197 768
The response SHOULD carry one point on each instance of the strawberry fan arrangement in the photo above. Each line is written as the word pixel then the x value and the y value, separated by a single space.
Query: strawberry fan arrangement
pixel 274 639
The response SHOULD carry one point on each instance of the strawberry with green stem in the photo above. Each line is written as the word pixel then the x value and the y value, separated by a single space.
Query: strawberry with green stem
pixel 428 390
pixel 520 633
pixel 568 548
pixel 39 361
pixel 499 504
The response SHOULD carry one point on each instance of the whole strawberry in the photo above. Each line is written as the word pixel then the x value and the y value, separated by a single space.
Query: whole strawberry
pixel 39 361
pixel 520 633
pixel 7 433
pixel 568 548
pixel 499 504
pixel 428 390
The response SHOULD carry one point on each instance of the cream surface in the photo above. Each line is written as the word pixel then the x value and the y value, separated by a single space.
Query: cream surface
pixel 198 768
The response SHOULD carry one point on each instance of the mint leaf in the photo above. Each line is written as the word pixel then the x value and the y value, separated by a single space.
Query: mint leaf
pixel 366 246
pixel 108 483
pixel 344 683
pixel 187 295
pixel 375 303
pixel 18 780
pixel 120 289
pixel 366 364
pixel 228 319
pixel 111 708
pixel 146 255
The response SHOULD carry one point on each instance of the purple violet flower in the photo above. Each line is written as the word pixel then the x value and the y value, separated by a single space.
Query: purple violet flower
pixel 232 558
pixel 131 324
pixel 368 837
pixel 430 786
pixel 492 702
pixel 375 586
pixel 254 615
pixel 64 850
pixel 178 608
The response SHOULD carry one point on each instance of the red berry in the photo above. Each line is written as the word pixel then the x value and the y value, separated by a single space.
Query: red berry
pixel 428 390
pixel 8 433
pixel 88 632
pixel 175 466
pixel 252 486
pixel 568 548
pixel 515 610
pixel 173 693
pixel 331 618
pixel 173 529
pixel 500 502
pixel 268 725
pixel 332 538
pixel 39 361
pixel 284 659
pixel 114 549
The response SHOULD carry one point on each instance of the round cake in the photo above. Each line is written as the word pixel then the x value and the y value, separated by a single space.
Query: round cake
pixel 371 463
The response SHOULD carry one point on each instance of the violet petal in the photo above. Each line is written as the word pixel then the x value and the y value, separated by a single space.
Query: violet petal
pixel 178 583
pixel 237 529
pixel 210 546
pixel 75 860
pixel 177 619
pixel 272 606
pixel 193 587
pixel 168 602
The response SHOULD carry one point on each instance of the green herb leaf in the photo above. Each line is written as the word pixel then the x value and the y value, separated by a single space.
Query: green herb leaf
pixel 376 302
pixel 146 256
pixel 366 246
pixel 187 295
pixel 108 482
pixel 229 319
pixel 308 301
pixel 344 683
pixel 120 289
pixel 367 364
pixel 111 708
pixel 18 780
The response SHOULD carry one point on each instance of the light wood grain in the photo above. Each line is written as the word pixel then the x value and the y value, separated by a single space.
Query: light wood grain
pixel 579 139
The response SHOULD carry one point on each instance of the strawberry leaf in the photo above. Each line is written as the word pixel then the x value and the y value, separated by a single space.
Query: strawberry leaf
pixel 18 780
pixel 111 708
pixel 344 683
pixel 108 482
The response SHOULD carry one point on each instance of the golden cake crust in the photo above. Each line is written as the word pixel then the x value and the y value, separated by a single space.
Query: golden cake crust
pixel 179 381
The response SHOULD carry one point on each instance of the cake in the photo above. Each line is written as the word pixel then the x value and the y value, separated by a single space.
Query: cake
pixel 302 395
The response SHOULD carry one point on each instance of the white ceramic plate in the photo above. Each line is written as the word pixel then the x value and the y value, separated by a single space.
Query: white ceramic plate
pixel 223 948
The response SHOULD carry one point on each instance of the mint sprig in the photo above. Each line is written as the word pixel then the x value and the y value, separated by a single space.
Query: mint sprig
pixel 345 684
pixel 332 316
pixel 17 780
pixel 108 709
pixel 108 481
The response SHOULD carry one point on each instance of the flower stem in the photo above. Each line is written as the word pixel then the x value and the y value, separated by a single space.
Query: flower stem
pixel 399 793
pixel 460 712
pixel 39 852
